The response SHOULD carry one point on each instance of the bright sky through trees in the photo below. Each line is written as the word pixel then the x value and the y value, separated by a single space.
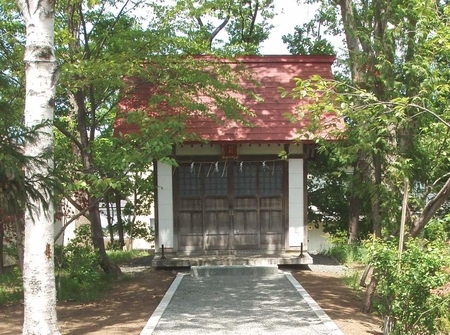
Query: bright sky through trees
pixel 289 15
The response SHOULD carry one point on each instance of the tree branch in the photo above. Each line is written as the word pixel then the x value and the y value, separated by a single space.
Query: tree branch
pixel 430 209
pixel 252 24
pixel 217 30
pixel 75 204
pixel 66 133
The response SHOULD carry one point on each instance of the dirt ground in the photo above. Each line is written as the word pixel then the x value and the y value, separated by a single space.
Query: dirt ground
pixel 341 303
pixel 126 308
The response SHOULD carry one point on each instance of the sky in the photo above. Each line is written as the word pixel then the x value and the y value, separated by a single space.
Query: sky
pixel 289 15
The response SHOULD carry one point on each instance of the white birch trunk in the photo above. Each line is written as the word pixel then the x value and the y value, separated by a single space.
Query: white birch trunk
pixel 41 77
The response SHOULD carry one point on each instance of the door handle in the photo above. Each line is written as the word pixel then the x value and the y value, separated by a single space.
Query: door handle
pixel 230 212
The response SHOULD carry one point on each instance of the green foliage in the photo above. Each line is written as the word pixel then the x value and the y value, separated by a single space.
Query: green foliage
pixel 405 284
pixel 438 229
pixel 80 277
pixel 93 287
pixel 121 257
pixel 10 286
pixel 246 22
pixel 343 252
pixel 352 278
pixel 71 288
pixel 329 189
pixel 79 260
pixel 392 98
pixel 368 139
pixel 307 41
pixel 139 229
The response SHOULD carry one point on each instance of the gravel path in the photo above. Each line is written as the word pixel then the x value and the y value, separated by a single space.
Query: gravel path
pixel 232 303
pixel 326 264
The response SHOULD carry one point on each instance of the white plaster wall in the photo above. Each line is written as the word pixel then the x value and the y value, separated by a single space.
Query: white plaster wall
pixel 198 150
pixel 260 149
pixel 317 238
pixel 165 205
pixel 296 204
pixel 69 232
pixel 296 149
pixel 243 149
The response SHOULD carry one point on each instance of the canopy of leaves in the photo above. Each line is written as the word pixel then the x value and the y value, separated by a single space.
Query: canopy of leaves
pixel 397 119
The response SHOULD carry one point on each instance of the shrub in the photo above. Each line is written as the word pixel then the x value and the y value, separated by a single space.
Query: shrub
pixel 11 286
pixel 121 257
pixel 405 284
pixel 78 264
pixel 342 251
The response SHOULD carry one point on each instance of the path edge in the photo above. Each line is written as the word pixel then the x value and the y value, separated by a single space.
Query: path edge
pixel 330 324
pixel 157 314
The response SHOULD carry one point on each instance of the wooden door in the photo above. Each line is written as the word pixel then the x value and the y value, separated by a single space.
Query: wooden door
pixel 189 209
pixel 271 190
pixel 216 222
pixel 230 205
pixel 244 206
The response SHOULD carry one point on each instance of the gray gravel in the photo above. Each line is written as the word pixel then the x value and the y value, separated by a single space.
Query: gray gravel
pixel 326 264
pixel 239 304
pixel 137 265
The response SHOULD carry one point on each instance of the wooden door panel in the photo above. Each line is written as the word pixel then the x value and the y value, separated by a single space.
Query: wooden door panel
pixel 212 204
pixel 188 204
pixel 245 203
pixel 190 242
pixel 217 242
pixel 190 222
pixel 271 221
pixel 245 222
pixel 217 222
pixel 271 203
pixel 245 206
pixel 271 241
pixel 246 241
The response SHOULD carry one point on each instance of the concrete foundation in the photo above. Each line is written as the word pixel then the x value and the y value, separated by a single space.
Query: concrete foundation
pixel 231 259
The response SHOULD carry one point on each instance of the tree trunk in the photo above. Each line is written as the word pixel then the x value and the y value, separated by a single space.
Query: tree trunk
pixel 376 197
pixel 354 210
pixel 351 38
pixel 41 77
pixel 355 201
pixel 2 234
pixel 370 291
pixel 87 160
pixel 97 239
pixel 119 220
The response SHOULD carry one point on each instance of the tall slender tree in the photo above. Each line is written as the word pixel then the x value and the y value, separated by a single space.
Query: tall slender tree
pixel 41 77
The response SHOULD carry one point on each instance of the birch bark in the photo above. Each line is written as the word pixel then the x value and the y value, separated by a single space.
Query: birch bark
pixel 41 77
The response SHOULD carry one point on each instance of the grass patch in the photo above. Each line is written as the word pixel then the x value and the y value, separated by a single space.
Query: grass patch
pixel 346 253
pixel 121 257
pixel 73 289
pixel 10 287
pixel 81 286
pixel 352 278
pixel 91 284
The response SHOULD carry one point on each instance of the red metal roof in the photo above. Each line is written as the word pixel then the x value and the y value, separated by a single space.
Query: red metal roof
pixel 269 122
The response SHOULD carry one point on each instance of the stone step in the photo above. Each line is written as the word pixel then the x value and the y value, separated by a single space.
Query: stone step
pixel 234 270
pixel 247 259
